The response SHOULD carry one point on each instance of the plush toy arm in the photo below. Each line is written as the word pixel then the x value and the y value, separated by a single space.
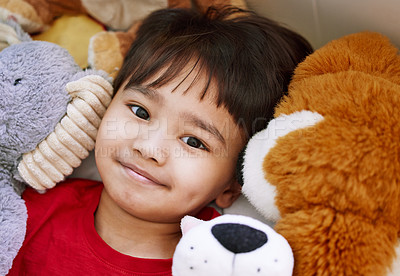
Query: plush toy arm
pixel 74 136
pixel 231 245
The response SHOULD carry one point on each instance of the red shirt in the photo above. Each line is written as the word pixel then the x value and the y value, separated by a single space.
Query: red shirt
pixel 61 238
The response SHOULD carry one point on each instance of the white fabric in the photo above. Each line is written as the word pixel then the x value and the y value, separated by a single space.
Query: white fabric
pixel 121 14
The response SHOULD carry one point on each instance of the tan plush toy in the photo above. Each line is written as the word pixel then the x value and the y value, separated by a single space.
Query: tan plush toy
pixel 106 49
pixel 327 168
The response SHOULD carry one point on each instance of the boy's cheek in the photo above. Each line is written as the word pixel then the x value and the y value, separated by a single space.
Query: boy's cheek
pixel 188 156
pixel 199 169
pixel 117 129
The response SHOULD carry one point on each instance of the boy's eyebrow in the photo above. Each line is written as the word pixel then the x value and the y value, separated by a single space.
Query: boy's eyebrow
pixel 148 92
pixel 204 125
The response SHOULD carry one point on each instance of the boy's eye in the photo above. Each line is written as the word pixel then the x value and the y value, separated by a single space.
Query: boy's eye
pixel 194 142
pixel 140 112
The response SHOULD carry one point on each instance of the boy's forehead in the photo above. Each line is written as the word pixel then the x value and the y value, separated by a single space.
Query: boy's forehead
pixel 190 79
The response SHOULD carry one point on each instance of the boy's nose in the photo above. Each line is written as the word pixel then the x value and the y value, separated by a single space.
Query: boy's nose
pixel 152 145
pixel 239 238
pixel 158 155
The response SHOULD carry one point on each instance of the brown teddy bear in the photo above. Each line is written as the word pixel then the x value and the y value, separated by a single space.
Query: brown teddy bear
pixel 106 49
pixel 329 163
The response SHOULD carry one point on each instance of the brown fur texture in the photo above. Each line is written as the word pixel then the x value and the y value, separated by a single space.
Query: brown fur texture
pixel 338 182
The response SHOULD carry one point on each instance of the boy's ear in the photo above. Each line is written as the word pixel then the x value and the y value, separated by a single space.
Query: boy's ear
pixel 229 195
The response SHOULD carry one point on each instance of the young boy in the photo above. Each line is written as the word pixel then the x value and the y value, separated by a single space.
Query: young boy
pixel 192 90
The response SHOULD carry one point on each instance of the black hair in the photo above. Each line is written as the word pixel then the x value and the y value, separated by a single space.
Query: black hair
pixel 250 58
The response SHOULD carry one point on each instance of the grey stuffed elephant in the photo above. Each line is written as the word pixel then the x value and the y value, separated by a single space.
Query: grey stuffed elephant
pixel 50 110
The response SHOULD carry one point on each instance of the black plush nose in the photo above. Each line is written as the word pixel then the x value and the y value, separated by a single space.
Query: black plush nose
pixel 239 238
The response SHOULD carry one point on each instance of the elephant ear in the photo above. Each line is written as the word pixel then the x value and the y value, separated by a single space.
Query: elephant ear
pixel 73 137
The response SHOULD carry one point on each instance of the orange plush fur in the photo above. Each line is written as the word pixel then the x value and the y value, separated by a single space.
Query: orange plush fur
pixel 338 181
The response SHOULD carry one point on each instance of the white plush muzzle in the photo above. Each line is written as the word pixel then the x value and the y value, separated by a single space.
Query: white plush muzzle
pixel 256 251
pixel 256 188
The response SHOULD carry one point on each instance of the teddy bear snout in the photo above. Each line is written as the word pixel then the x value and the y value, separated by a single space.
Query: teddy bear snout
pixel 239 238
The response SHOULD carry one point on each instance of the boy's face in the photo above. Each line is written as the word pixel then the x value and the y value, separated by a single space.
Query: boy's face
pixel 163 154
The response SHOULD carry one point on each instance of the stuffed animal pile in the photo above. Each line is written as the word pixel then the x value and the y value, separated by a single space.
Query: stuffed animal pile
pixel 327 168
pixel 49 114
pixel 107 49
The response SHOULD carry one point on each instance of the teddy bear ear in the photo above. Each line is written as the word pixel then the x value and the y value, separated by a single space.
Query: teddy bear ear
pixel 366 52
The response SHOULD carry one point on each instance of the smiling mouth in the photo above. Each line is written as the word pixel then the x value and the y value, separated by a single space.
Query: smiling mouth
pixel 140 175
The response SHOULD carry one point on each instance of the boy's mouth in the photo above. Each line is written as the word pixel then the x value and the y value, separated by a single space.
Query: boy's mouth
pixel 140 174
